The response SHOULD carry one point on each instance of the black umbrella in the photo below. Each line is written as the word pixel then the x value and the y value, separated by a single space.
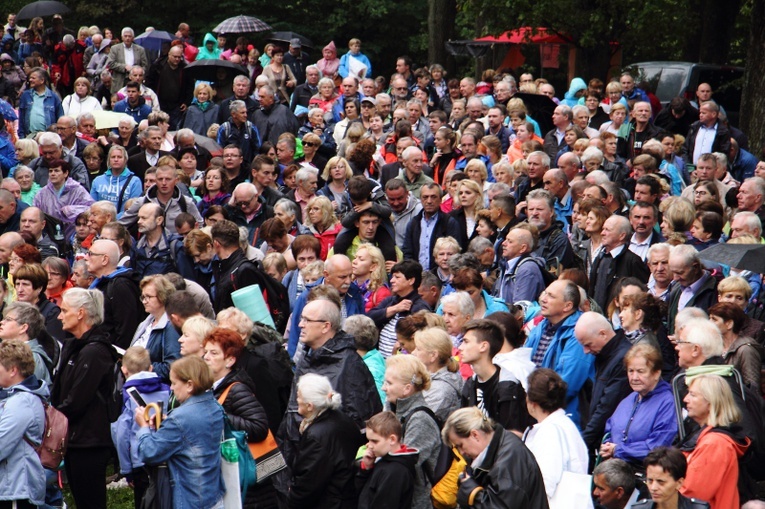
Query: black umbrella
pixel 739 256
pixel 207 69
pixel 288 36
pixel 540 109
pixel 241 25
pixel 42 9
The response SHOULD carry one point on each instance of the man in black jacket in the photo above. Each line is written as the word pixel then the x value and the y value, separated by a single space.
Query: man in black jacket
pixel 332 353
pixel 303 93
pixel 428 226
pixel 241 89
pixel 597 337
pixel 232 270
pixel 122 305
pixel 715 136
pixel 615 261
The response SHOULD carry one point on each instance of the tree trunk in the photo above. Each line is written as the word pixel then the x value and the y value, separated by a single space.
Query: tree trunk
pixel 753 100
pixel 442 16
pixel 592 62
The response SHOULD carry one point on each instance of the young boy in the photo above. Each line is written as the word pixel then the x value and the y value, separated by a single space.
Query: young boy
pixel 136 367
pixel 495 390
pixel 386 474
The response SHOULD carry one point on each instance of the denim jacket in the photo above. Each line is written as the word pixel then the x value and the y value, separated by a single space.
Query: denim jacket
pixel 52 105
pixel 189 441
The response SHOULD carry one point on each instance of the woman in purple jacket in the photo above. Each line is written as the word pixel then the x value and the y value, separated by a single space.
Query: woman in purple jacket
pixel 645 419
pixel 62 197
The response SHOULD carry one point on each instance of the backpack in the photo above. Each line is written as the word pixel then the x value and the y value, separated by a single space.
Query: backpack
pixel 444 478
pixel 113 399
pixel 546 275
pixel 274 294
pixel 54 440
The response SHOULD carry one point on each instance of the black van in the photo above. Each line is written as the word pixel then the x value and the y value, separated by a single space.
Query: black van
pixel 671 79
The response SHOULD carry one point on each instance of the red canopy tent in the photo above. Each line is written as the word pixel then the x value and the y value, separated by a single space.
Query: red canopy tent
pixel 527 35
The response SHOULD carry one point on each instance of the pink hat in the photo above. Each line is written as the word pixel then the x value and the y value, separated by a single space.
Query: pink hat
pixel 331 47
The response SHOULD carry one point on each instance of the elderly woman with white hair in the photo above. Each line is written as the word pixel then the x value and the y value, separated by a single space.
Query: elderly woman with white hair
pixel 80 391
pixel 323 470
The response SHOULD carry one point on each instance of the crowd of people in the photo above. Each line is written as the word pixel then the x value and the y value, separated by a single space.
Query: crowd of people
pixel 437 276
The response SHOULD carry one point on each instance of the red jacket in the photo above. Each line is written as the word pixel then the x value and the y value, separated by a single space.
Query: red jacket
pixel 713 469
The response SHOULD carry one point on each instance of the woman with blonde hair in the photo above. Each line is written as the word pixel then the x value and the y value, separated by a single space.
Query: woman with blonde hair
pixel 720 443
pixel 677 221
pixel 369 274
pixel 406 378
pixel 503 172
pixel 336 173
pixel 320 218
pixel 477 172
pixel 202 112
pixel 503 468
pixel 26 150
pixel 80 101
pixel 434 348
pixel 471 200
pixel 195 330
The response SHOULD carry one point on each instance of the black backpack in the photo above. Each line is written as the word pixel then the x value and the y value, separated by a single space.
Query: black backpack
pixel 274 293
pixel 113 398
pixel 445 454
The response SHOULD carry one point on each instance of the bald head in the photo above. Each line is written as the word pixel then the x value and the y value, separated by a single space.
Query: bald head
pixel 8 241
pixel 338 272
pixel 110 248
pixel 32 221
pixel 593 331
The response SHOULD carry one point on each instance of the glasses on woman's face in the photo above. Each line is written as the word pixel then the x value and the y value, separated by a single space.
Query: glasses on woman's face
pixel 310 144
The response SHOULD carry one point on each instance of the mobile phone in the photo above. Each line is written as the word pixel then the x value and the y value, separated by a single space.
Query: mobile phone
pixel 133 393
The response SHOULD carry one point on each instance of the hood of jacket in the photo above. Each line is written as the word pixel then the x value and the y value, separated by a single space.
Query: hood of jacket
pixel 122 177
pixel 453 379
pixel 31 384
pixel 733 434
pixel 145 381
pixel 577 84
pixel 406 456
pixel 152 193
pixel 332 349
pixel 119 272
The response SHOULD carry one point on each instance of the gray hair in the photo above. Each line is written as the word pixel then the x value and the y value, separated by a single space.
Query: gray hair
pixel 317 390
pixel 312 67
pixel 722 159
pixel 479 245
pixel 623 224
pixel 127 30
pixel 705 334
pixel 106 207
pixel 565 110
pixel 686 252
pixel 758 183
pixel 184 133
pixel 84 264
pixel 543 195
pixel 130 120
pixel 47 139
pixel 598 177
pixel 592 153
pixel 751 220
pixel 287 205
pixel 543 158
pixel 105 73
pixel 237 105
pixel 382 95
pixel 27 314
pixel 303 173
pixel 363 330
pixel 687 314
pixel 499 188
pixel 118 148
pixel 85 116
pixel 21 169
pixel 661 246
pixel 462 300
pixel 241 79
pixel 617 474
pixel 576 109
pixel 331 313
pixel 315 110
pixel 325 81
pixel 408 151
pixel 90 301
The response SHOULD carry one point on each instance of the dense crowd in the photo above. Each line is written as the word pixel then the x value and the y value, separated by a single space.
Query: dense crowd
pixel 473 293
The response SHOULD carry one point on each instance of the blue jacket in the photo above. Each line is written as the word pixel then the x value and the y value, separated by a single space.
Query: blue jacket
pixel 125 429
pixel 569 98
pixel 354 305
pixel 290 281
pixel 22 416
pixel 138 113
pixel 7 155
pixel 189 441
pixel 524 281
pixel 343 69
pixel 493 304
pixel 51 105
pixel 109 187
pixel 163 345
pixel 639 426
pixel 566 357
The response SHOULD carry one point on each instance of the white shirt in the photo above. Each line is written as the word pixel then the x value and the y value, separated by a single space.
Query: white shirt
pixel 704 140
pixel 518 362
pixel 558 447
pixel 640 248
pixel 129 55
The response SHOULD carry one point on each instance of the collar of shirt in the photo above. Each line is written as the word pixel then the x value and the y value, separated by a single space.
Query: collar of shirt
pixel 616 251
pixel 635 242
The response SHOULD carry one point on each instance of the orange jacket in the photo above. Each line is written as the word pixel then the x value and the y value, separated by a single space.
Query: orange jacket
pixel 713 469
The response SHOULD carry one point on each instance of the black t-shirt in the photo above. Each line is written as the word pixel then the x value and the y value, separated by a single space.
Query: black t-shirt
pixel 485 393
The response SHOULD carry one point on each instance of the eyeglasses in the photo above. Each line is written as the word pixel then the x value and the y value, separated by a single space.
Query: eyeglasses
pixel 310 144
pixel 311 320
pixel 146 298
pixel 9 319
pixel 683 343
pixel 240 204
pixel 91 253
pixel 57 274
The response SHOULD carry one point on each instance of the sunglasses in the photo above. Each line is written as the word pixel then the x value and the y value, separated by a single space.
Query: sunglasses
pixel 310 144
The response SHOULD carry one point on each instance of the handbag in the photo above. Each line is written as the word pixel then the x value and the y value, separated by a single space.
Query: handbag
pixel 268 459
pixel 159 493
pixel 238 439
pixel 229 471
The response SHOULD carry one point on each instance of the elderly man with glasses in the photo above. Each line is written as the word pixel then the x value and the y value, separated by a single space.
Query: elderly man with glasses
pixel 247 208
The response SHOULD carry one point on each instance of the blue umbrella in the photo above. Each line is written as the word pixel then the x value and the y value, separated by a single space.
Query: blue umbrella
pixel 6 111
pixel 154 39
